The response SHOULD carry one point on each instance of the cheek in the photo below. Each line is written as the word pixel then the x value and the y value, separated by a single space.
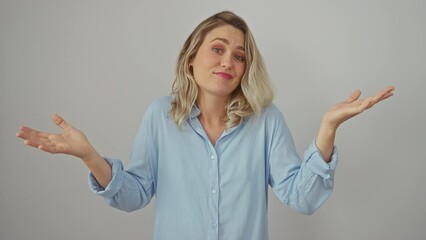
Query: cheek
pixel 204 57
pixel 241 70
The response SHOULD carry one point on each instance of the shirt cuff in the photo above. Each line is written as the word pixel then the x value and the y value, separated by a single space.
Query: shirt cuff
pixel 315 161
pixel 115 183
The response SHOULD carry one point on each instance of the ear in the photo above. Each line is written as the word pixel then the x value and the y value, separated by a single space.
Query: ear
pixel 190 65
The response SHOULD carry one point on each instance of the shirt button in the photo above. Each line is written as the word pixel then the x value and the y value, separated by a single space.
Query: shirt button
pixel 214 225
pixel 212 157
pixel 214 191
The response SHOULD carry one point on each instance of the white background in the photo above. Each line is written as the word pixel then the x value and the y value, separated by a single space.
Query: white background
pixel 100 63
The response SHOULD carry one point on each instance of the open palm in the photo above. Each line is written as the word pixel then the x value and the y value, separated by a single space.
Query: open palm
pixel 354 106
pixel 71 141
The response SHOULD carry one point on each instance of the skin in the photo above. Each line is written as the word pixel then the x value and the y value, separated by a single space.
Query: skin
pixel 218 67
pixel 342 112
pixel 72 142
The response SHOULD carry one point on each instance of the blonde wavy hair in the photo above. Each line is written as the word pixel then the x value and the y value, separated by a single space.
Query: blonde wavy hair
pixel 252 95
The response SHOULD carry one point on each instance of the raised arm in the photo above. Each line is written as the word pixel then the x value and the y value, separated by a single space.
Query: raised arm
pixel 71 142
pixel 341 112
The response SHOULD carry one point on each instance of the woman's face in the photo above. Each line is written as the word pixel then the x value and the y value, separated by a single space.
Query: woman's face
pixel 220 62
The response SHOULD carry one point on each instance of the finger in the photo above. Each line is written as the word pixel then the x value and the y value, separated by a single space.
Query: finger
pixel 21 135
pixel 354 96
pixel 26 129
pixel 35 141
pixel 365 104
pixel 28 133
pixel 25 132
pixel 370 102
pixel 390 88
pixel 385 94
pixel 50 148
pixel 45 146
pixel 32 143
pixel 374 100
pixel 58 120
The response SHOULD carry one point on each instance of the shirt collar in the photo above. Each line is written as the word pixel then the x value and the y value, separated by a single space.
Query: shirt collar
pixel 195 112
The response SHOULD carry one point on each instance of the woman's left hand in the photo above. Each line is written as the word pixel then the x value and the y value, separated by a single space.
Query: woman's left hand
pixel 342 112
pixel 354 106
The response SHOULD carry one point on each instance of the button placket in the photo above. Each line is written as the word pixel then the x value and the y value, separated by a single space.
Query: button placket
pixel 214 190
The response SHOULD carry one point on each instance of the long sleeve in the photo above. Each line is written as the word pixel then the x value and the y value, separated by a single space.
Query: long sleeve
pixel 302 185
pixel 220 191
pixel 132 188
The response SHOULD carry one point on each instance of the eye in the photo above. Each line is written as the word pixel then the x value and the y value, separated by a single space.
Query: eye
pixel 217 50
pixel 240 58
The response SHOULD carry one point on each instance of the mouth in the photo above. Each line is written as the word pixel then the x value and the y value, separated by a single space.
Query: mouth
pixel 224 75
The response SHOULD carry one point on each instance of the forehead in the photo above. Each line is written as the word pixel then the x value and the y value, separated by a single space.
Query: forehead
pixel 232 34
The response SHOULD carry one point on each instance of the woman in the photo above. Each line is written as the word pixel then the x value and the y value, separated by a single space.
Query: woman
pixel 209 151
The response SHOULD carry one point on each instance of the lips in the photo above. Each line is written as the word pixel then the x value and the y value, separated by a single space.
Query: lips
pixel 224 75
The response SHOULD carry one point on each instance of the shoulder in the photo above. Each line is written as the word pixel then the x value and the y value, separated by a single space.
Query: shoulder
pixel 270 115
pixel 272 112
pixel 159 107
pixel 162 102
pixel 274 121
pixel 271 118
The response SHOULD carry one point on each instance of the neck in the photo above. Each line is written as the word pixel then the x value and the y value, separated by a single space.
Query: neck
pixel 213 110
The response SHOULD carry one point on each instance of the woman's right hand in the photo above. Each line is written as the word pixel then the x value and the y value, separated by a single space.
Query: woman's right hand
pixel 71 141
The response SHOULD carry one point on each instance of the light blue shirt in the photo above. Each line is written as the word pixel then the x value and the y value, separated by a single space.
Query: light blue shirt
pixel 220 191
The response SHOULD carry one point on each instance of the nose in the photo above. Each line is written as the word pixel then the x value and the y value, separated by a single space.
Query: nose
pixel 226 61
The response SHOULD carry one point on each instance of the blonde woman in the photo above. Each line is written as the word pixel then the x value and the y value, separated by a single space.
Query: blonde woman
pixel 210 150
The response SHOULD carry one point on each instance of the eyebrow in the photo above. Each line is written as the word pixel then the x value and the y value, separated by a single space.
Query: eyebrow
pixel 227 42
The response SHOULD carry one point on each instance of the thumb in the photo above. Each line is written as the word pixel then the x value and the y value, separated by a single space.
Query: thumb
pixel 354 96
pixel 58 120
